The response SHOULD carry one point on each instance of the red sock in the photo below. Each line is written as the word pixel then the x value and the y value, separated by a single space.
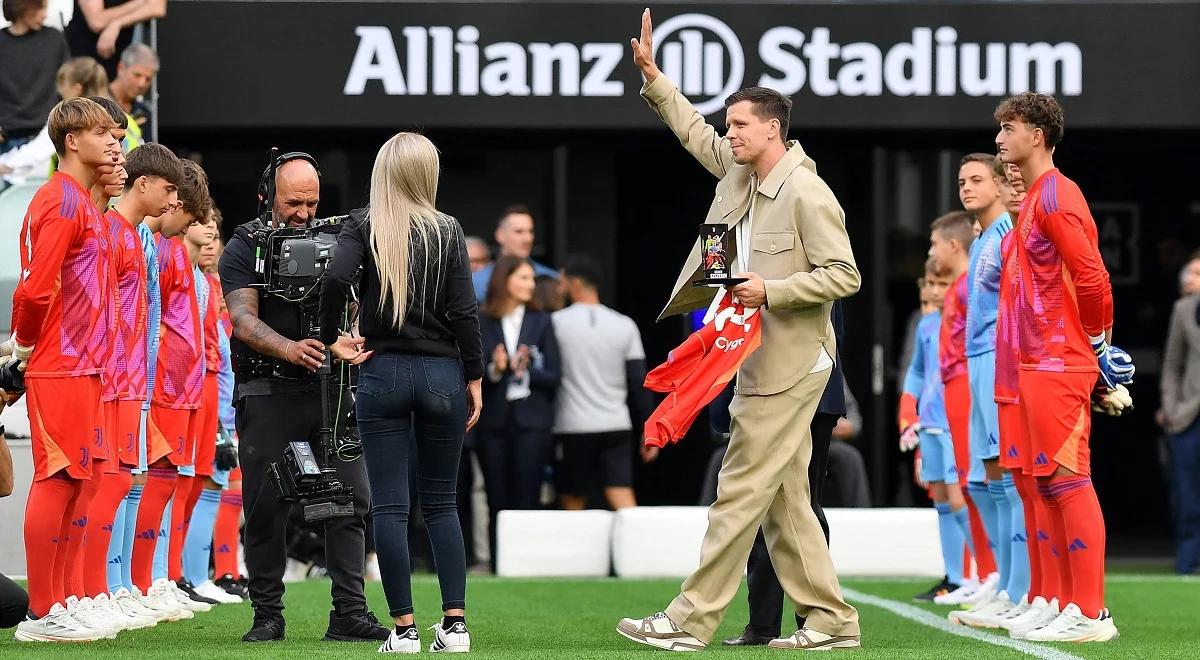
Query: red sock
pixel 1027 488
pixel 985 561
pixel 113 489
pixel 49 505
pixel 193 497
pixel 179 515
pixel 1047 561
pixel 160 486
pixel 225 534
pixel 68 565
pixel 1084 526
pixel 1057 543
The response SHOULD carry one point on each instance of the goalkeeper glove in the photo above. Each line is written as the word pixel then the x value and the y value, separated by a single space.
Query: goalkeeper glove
pixel 1112 402
pixel 1116 367
pixel 909 439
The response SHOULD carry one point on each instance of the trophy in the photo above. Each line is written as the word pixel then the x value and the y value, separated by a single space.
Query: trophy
pixel 714 257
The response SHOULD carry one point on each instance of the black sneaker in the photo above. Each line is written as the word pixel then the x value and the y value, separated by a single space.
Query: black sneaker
pixel 190 589
pixel 749 637
pixel 940 589
pixel 266 629
pixel 361 626
pixel 232 586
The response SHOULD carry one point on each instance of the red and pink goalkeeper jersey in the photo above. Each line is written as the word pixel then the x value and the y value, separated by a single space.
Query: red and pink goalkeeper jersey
pixel 132 308
pixel 1064 294
pixel 952 342
pixel 212 325
pixel 697 371
pixel 64 268
pixel 1007 349
pixel 179 375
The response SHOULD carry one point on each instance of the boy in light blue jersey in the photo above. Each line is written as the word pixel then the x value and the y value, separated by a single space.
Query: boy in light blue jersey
pixel 923 423
pixel 979 189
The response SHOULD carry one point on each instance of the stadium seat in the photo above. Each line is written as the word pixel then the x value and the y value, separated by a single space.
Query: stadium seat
pixel 554 543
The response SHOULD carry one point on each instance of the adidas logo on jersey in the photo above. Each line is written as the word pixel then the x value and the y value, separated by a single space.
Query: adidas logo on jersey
pixel 992 439
pixel 224 548
pixel 106 528
pixel 1042 536
pixel 148 535
pixel 1041 460
pixel 1076 545
pixel 1012 452
pixel 115 560
pixel 1019 538
pixel 79 522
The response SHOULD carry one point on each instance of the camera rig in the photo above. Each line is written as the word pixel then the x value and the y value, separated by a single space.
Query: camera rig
pixel 291 263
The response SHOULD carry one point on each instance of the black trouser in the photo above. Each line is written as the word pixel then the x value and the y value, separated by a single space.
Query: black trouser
pixel 414 408
pixel 513 460
pixel 266 424
pixel 14 603
pixel 766 594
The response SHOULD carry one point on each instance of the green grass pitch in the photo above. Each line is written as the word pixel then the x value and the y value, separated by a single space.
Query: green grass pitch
pixel 1159 617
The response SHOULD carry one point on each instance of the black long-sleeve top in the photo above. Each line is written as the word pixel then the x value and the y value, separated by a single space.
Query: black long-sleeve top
pixel 442 318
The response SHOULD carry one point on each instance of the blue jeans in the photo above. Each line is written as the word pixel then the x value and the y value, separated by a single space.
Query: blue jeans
pixel 1185 487
pixel 412 416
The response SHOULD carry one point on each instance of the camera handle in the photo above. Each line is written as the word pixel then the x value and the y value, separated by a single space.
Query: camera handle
pixel 325 434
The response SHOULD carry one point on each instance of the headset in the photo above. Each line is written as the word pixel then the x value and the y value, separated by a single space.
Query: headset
pixel 266 183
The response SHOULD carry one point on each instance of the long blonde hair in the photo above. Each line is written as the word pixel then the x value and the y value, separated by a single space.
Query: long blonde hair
pixel 403 216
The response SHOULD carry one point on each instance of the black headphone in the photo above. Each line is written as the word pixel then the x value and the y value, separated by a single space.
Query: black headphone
pixel 266 183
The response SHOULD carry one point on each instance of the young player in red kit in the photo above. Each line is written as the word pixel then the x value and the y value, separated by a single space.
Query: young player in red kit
pixel 63 247
pixel 154 174
pixel 950 240
pixel 1063 309
pixel 178 377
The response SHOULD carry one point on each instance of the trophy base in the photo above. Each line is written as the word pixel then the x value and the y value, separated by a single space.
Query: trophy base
pixel 719 281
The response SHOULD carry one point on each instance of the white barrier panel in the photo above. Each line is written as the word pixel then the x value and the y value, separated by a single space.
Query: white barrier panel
pixel 554 543
pixel 658 541
pixel 665 541
pixel 885 541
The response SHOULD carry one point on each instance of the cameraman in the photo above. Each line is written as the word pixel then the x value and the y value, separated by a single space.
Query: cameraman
pixel 281 403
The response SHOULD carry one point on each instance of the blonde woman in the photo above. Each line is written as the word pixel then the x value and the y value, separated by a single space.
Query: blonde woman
pixel 419 389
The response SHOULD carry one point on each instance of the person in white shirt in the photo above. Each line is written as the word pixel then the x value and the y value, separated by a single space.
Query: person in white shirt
pixel 601 400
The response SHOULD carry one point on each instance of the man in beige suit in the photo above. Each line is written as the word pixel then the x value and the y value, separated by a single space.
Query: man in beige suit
pixel 791 244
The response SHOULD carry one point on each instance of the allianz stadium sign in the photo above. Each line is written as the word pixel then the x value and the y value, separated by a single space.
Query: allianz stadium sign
pixel 706 58
pixel 566 64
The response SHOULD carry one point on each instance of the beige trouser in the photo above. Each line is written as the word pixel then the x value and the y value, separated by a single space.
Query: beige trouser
pixel 764 481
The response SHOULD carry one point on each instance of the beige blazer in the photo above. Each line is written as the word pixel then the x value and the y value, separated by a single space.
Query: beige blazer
pixel 798 241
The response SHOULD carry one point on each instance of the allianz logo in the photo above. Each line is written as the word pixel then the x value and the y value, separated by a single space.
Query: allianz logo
pixel 705 57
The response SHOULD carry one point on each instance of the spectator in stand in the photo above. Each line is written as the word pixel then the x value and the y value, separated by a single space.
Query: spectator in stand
pixel 30 55
pixel 514 234
pixel 79 76
pixel 135 72
pixel 478 253
pixel 521 377
pixel 601 397
pixel 1180 416
pixel 104 28
pixel 846 482
pixel 549 294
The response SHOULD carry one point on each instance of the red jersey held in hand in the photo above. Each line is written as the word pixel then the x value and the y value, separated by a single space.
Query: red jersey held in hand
pixel 1064 295
pixel 699 369
pixel 64 266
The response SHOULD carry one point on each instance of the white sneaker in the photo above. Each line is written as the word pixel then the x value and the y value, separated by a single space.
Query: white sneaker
pixel 985 615
pixel 154 607
pixel 985 591
pixel 659 631
pixel 57 626
pixel 83 612
pixel 1020 608
pixel 1040 613
pixel 1072 626
pixel 814 640
pixel 210 590
pixel 294 571
pixel 124 620
pixel 182 599
pixel 455 640
pixel 959 595
pixel 161 598
pixel 409 643
pixel 122 600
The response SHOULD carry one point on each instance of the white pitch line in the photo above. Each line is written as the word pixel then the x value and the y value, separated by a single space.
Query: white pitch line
pixel 927 618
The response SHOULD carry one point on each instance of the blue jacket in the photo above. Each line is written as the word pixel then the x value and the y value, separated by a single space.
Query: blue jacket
pixel 537 410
